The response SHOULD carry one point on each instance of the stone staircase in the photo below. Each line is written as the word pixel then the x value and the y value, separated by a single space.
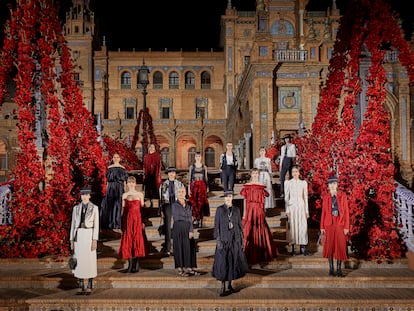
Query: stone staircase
pixel 285 284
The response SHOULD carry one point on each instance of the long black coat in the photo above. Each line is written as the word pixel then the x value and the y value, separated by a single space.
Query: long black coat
pixel 229 259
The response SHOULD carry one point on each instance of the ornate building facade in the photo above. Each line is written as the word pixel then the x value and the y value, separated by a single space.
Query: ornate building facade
pixel 265 82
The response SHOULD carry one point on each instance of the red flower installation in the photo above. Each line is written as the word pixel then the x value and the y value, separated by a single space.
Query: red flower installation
pixel 59 148
pixel 360 156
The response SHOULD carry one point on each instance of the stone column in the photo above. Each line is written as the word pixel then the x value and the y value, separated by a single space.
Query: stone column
pixel 248 164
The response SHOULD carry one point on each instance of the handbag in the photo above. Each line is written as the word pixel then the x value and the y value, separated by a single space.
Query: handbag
pixel 321 239
pixel 73 262
pixel 161 229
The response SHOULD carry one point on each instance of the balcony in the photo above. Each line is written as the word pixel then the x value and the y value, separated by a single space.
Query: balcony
pixel 290 56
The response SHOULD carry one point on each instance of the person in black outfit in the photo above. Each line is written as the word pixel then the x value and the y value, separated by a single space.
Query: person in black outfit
pixel 168 195
pixel 230 262
pixel 228 168
pixel 183 236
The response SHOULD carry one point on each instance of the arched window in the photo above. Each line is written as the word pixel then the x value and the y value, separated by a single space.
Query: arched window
pixel 126 80
pixel 157 80
pixel 173 80
pixel 205 80
pixel 189 80
pixel 209 156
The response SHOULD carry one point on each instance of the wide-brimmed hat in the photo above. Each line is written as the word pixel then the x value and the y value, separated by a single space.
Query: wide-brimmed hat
pixel 287 136
pixel 171 169
pixel 332 179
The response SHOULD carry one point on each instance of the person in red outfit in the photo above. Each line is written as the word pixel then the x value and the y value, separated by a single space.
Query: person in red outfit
pixel 132 244
pixel 152 173
pixel 258 240
pixel 198 191
pixel 335 226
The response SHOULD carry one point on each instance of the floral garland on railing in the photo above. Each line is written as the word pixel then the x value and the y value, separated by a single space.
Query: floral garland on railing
pixel 364 163
pixel 43 196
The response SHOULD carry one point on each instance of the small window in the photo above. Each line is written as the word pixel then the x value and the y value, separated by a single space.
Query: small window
pixel 165 112
pixel 129 113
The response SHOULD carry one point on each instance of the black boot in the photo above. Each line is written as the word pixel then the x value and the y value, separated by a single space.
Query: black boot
pixel 81 290
pixel 331 267
pixel 339 269
pixel 303 250
pixel 293 250
pixel 135 264
pixel 130 265
pixel 223 289
pixel 200 223
pixel 230 289
pixel 89 288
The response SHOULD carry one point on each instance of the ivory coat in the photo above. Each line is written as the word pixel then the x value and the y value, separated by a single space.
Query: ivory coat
pixel 82 237
pixel 296 202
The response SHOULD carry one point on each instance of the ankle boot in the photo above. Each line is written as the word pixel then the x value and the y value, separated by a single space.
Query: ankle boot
pixel 223 289
pixel 339 269
pixel 303 250
pixel 331 267
pixel 130 265
pixel 230 288
pixel 135 264
pixel 88 290
pixel 81 287
pixel 293 250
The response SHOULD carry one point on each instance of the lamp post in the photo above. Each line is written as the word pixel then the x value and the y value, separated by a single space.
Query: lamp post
pixel 143 81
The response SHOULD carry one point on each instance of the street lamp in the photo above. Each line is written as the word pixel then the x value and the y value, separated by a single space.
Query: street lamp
pixel 143 81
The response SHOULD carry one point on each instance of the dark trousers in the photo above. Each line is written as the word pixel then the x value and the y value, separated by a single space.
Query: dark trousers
pixel 228 178
pixel 286 168
pixel 167 211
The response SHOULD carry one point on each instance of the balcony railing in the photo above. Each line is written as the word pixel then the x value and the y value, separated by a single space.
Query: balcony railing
pixel 290 55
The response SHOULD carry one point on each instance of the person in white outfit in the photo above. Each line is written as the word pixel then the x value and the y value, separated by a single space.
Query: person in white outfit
pixel 264 165
pixel 297 210
pixel 84 231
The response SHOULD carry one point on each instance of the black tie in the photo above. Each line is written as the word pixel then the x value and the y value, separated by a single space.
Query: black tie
pixel 172 191
pixel 335 209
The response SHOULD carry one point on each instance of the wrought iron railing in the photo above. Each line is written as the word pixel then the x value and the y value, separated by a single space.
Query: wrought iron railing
pixel 404 200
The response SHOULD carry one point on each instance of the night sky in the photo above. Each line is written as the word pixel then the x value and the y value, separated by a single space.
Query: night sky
pixel 171 24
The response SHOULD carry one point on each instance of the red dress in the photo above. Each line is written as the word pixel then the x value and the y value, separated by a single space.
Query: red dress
pixel 152 175
pixel 132 240
pixel 258 240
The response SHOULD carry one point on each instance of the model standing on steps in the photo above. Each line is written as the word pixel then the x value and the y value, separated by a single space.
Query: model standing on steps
pixel 198 191
pixel 335 226
pixel 297 210
pixel 84 231
pixel 264 165
pixel 132 244
pixel 230 262
pixel 259 246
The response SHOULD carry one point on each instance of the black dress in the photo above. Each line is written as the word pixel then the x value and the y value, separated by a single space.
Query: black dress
pixel 111 206
pixel 229 259
pixel 184 247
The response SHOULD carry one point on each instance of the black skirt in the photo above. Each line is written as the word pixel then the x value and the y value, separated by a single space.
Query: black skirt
pixel 184 248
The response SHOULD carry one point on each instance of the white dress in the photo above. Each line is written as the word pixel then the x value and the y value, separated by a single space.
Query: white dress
pixel 264 166
pixel 296 202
